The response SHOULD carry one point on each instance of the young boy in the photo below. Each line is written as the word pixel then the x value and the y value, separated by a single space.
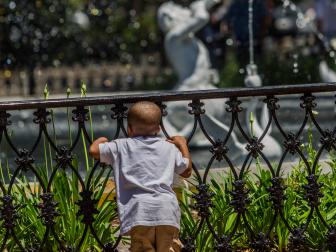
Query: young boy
pixel 144 166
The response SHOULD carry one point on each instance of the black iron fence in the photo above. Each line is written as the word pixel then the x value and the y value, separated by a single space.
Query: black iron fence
pixel 45 230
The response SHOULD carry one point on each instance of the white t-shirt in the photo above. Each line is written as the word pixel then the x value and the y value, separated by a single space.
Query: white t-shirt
pixel 144 170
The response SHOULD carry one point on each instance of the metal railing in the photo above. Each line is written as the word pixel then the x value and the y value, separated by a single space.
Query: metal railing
pixel 46 206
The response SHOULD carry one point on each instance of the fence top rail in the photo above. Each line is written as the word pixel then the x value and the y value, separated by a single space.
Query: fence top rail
pixel 166 96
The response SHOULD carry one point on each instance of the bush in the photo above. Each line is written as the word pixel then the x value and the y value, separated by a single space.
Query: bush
pixel 223 227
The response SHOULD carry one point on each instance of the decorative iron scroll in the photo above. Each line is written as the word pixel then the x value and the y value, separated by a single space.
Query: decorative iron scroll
pixel 47 205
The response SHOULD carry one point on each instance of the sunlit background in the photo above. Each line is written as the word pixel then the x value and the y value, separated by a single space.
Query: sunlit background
pixel 116 46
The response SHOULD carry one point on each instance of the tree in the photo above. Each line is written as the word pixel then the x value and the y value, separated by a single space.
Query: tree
pixel 32 34
pixel 57 32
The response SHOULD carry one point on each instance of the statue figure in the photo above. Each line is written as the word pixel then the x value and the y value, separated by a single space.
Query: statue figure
pixel 190 61
pixel 187 54
pixel 326 73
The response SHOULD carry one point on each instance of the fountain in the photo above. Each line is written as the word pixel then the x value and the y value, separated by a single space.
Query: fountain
pixel 194 72
pixel 190 60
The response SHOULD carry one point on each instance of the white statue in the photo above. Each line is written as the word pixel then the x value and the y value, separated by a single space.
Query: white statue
pixel 187 54
pixel 326 74
pixel 190 60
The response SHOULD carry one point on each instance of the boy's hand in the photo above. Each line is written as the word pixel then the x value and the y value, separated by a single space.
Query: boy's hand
pixel 179 141
pixel 94 148
pixel 102 140
pixel 182 144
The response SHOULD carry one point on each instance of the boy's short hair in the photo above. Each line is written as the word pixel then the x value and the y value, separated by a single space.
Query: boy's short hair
pixel 145 116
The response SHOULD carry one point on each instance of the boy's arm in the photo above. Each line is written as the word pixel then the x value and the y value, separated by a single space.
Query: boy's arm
pixel 181 143
pixel 94 147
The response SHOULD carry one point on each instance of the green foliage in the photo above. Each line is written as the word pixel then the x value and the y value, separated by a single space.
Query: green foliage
pixel 260 211
pixel 65 188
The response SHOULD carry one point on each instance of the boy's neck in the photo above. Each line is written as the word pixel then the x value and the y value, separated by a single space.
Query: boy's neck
pixel 145 135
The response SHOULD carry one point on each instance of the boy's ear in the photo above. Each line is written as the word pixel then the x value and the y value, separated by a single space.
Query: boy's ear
pixel 158 128
pixel 129 130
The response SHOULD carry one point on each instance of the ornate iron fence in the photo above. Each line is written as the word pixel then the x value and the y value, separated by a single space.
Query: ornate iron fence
pixel 47 210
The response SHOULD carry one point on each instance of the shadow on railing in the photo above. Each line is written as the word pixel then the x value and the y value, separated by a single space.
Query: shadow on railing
pixel 58 202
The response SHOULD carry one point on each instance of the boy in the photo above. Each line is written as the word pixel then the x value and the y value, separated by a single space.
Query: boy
pixel 144 167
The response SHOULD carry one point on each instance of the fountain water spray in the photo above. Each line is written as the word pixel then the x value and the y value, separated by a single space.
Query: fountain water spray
pixel 252 79
pixel 250 28
pixel 327 74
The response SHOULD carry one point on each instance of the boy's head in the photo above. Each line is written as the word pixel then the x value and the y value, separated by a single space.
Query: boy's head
pixel 143 119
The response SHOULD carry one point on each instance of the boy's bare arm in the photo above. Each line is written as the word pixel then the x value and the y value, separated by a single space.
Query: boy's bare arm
pixel 94 147
pixel 181 143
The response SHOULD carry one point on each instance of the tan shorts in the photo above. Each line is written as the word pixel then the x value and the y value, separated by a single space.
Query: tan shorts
pixel 155 239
